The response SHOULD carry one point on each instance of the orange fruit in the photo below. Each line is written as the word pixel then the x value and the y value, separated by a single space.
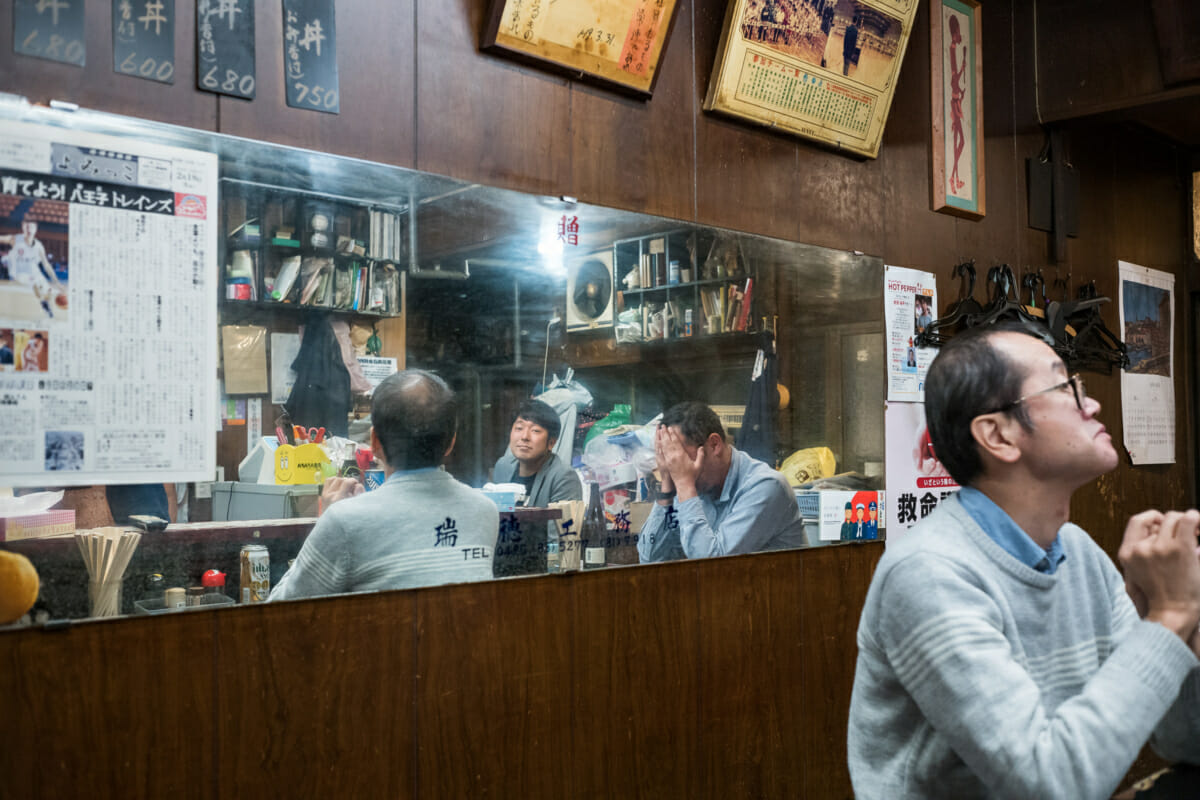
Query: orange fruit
pixel 18 586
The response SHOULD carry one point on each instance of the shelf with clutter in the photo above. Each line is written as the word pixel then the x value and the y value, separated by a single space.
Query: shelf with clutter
pixel 311 251
pixel 673 285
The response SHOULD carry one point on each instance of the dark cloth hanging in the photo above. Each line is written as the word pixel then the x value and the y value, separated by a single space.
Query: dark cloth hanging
pixel 320 397
pixel 759 432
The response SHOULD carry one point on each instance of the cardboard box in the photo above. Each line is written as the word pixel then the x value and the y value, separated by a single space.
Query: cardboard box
pixel 55 522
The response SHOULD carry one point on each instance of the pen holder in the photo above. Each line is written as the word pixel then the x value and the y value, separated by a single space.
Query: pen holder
pixel 105 597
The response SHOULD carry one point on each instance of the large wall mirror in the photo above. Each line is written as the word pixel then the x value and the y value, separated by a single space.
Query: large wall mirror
pixel 504 295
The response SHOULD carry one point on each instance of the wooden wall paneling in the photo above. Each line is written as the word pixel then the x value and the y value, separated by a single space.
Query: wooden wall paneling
pixel 1152 229
pixel 96 86
pixel 635 683
pixel 376 78
pixel 914 235
pixel 109 709
pixel 1099 507
pixel 316 698
pixel 743 173
pixel 637 154
pixel 1115 65
pixel 751 661
pixel 840 201
pixel 481 117
pixel 833 586
pixel 1130 210
pixel 393 330
pixel 494 690
pixel 999 237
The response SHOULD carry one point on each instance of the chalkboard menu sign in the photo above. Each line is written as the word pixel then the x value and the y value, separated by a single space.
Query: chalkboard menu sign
pixel 225 47
pixel 144 39
pixel 49 30
pixel 310 55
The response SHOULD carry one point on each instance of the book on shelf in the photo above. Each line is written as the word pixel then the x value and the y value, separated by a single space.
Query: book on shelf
pixel 744 311
pixel 343 286
pixel 731 310
pixel 315 272
pixel 386 236
pixel 286 278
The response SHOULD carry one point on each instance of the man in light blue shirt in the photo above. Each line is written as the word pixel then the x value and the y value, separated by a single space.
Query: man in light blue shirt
pixel 714 500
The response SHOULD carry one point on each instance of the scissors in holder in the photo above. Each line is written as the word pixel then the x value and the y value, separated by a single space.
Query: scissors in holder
pixel 313 435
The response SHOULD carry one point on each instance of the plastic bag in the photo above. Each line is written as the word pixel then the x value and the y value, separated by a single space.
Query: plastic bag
pixel 807 465
pixel 622 454
pixel 566 388
pixel 616 418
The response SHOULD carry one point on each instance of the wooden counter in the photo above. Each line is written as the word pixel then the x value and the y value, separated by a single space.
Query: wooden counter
pixel 718 678
pixel 183 552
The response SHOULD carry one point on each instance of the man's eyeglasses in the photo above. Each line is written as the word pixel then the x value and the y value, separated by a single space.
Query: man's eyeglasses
pixel 1077 388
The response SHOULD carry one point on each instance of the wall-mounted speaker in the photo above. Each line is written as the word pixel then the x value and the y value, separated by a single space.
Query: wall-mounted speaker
pixel 590 292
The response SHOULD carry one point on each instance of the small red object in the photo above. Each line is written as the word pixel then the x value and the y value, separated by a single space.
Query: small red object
pixel 214 577
pixel 363 457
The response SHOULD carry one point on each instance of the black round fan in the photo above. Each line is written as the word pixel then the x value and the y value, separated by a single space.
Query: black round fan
pixel 593 289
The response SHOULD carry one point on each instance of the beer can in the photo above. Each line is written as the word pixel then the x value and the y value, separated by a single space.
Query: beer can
pixel 256 573
pixel 373 479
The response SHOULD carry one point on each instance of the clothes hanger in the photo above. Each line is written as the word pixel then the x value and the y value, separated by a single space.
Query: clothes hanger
pixel 958 313
pixel 1096 346
pixel 1003 305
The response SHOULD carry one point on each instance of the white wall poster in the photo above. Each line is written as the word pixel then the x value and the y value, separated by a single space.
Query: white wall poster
pixel 108 308
pixel 916 480
pixel 909 305
pixel 1148 387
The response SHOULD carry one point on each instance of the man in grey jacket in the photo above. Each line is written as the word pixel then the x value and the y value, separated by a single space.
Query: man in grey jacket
pixel 1000 653
pixel 530 459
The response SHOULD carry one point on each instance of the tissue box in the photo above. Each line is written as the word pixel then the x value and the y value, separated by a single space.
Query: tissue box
pixel 56 522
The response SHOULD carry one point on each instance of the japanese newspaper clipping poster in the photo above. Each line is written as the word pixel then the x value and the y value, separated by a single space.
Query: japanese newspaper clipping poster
pixel 910 304
pixel 916 480
pixel 1147 387
pixel 107 309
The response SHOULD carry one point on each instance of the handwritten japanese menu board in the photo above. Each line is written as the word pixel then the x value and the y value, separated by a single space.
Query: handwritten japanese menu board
pixel 821 69
pixel 616 42
pixel 108 309
pixel 225 47
pixel 50 30
pixel 144 39
pixel 310 55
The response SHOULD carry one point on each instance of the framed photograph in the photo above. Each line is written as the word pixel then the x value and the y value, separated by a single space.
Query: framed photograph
pixel 956 83
pixel 824 70
pixel 617 43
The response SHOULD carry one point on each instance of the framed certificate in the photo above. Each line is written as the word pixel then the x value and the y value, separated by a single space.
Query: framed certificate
pixel 617 43
pixel 824 70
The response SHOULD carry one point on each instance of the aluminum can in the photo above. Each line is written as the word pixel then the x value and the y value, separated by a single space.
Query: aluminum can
pixel 256 573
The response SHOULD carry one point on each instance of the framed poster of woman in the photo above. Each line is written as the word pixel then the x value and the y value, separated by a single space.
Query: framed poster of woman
pixel 956 80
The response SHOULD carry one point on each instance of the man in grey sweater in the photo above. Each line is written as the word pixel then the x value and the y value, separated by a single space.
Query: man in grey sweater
pixel 1000 652
pixel 421 527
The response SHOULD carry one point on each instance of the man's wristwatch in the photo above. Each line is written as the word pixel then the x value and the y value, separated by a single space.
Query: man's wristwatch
pixel 665 495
